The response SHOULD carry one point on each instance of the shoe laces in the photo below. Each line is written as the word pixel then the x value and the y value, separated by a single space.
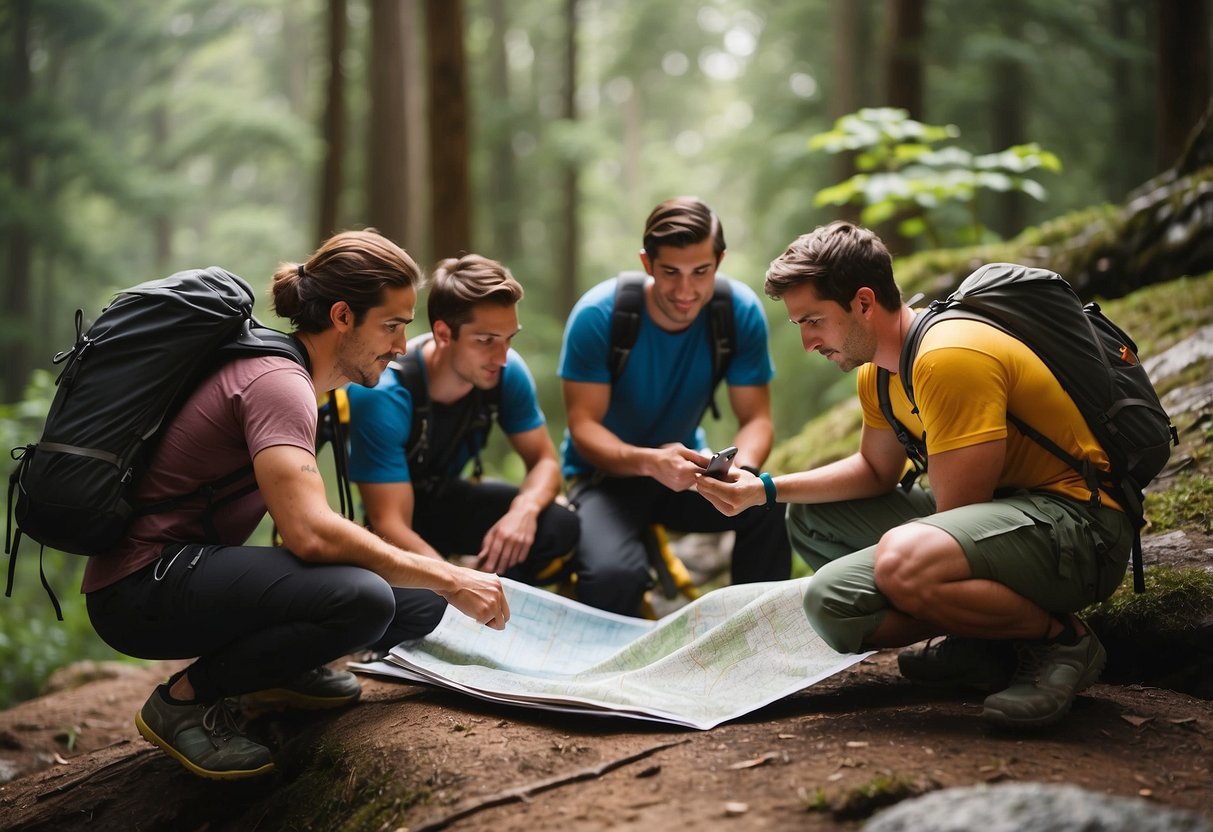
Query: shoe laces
pixel 221 723
pixel 1032 657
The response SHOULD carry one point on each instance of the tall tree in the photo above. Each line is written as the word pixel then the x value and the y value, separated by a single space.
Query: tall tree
pixel 332 173
pixel 1008 84
pixel 567 268
pixel 503 177
pixel 1183 74
pixel 844 98
pixel 17 237
pixel 903 75
pixel 387 166
pixel 448 111
pixel 1133 106
pixel 905 22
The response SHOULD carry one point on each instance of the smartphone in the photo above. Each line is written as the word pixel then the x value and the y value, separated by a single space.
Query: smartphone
pixel 719 466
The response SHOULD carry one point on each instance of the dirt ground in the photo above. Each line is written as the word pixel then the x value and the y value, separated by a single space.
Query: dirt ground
pixel 412 757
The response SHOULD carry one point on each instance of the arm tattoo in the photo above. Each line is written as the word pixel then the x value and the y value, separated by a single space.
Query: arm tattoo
pixel 309 469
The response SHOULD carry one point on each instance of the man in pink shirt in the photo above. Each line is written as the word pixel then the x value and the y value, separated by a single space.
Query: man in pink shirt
pixel 263 621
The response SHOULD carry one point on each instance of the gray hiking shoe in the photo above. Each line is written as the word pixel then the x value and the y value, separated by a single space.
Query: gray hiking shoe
pixel 1046 682
pixel 206 739
pixel 956 660
pixel 312 691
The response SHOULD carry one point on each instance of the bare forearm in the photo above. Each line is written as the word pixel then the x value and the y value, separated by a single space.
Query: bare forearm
pixel 397 532
pixel 333 539
pixel 540 487
pixel 753 441
pixel 607 452
pixel 851 478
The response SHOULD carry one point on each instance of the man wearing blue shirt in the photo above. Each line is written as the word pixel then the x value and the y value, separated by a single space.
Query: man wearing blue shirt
pixel 631 446
pixel 412 435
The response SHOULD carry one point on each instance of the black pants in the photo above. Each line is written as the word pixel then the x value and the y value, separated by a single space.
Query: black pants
pixel 612 562
pixel 456 520
pixel 255 617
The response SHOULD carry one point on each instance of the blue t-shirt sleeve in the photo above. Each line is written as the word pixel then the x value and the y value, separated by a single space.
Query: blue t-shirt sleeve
pixel 587 337
pixel 520 409
pixel 380 420
pixel 752 364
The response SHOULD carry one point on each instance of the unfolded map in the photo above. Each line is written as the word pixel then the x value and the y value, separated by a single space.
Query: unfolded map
pixel 726 654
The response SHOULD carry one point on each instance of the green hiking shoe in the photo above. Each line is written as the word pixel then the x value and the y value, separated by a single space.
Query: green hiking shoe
pixel 957 660
pixel 315 690
pixel 1048 678
pixel 206 739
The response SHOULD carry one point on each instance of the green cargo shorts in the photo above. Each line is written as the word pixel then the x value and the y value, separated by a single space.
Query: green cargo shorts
pixel 1059 553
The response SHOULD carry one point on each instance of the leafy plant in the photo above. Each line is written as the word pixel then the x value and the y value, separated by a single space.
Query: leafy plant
pixel 33 643
pixel 906 171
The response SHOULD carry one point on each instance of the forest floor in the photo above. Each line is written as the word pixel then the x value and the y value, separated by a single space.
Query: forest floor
pixel 409 757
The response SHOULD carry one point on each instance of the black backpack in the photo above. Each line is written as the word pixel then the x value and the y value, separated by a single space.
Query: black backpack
pixel 625 327
pixel 1092 358
pixel 429 467
pixel 123 380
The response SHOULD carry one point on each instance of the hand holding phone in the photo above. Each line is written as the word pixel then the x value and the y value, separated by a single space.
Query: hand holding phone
pixel 721 461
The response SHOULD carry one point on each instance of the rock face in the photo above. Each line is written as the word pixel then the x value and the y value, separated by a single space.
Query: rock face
pixel 1031 807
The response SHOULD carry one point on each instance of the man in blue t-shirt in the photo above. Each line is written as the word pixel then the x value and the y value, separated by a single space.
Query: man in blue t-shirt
pixel 631 447
pixel 412 435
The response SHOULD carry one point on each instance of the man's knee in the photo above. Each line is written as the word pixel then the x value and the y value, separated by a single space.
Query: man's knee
pixel 415 614
pixel 843 605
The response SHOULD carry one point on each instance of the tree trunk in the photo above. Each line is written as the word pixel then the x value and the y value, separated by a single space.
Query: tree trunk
pixel 162 223
pixel 1008 116
pixel 1183 74
pixel 387 167
pixel 903 86
pixel 332 174
pixel 503 179
pixel 17 283
pixel 844 23
pixel 567 268
pixel 1133 116
pixel 905 24
pixel 448 110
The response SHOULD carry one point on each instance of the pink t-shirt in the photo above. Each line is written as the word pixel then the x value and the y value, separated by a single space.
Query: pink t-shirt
pixel 248 405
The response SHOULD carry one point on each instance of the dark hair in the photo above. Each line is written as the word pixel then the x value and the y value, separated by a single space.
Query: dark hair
pixel 353 266
pixel 838 259
pixel 681 222
pixel 460 284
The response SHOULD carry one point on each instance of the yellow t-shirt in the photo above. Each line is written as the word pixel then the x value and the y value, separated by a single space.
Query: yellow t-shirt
pixel 967 376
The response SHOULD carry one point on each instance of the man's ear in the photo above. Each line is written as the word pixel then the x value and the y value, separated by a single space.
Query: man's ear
pixel 866 299
pixel 341 316
pixel 442 333
pixel 645 262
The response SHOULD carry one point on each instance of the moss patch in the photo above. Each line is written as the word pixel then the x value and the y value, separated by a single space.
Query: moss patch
pixel 340 792
pixel 1175 600
pixel 1188 504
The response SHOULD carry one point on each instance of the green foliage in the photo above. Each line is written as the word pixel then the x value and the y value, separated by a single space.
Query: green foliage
pixel 1175 600
pixel 33 643
pixel 1188 504
pixel 905 173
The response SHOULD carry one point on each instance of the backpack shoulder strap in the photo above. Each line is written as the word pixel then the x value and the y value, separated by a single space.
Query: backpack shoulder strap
pixel 625 319
pixel 915 450
pixel 411 375
pixel 723 332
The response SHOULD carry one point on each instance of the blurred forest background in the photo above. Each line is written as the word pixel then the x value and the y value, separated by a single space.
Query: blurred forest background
pixel 140 137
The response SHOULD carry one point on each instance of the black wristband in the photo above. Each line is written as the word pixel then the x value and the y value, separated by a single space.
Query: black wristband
pixel 751 469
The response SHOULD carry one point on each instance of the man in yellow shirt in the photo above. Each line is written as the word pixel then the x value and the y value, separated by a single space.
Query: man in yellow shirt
pixel 1001 550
